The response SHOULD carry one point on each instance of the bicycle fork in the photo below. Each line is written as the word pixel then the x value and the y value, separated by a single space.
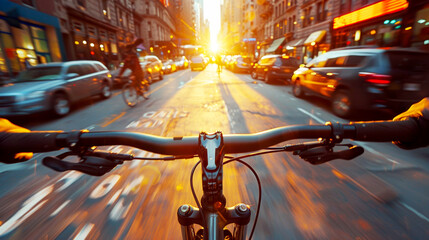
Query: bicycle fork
pixel 214 229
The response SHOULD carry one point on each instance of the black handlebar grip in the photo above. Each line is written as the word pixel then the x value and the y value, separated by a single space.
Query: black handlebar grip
pixel 29 142
pixel 385 131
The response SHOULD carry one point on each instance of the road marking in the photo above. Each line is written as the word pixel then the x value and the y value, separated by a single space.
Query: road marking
pixel 414 211
pixel 311 115
pixel 60 208
pixel 105 186
pixel 113 120
pixel 165 83
pixel 84 232
pixel 30 206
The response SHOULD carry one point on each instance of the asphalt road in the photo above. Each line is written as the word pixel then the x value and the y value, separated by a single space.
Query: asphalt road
pixel 383 194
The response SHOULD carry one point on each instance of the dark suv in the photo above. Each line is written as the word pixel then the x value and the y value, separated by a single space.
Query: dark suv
pixel 275 67
pixel 366 78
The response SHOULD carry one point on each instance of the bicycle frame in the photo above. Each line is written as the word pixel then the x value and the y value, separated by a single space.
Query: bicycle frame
pixel 213 215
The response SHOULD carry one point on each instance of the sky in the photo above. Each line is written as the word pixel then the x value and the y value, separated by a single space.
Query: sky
pixel 212 13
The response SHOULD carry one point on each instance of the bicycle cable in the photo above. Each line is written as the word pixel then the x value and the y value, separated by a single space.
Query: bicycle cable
pixel 231 159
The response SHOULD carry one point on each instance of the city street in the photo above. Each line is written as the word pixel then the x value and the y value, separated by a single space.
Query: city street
pixel 382 194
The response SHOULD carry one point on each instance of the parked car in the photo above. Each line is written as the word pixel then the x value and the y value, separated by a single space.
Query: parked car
pixel 54 87
pixel 197 62
pixel 365 78
pixel 181 62
pixel 275 67
pixel 168 66
pixel 241 64
pixel 151 66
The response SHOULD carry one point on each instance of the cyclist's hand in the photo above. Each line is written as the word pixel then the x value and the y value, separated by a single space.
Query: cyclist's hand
pixel 7 127
pixel 420 112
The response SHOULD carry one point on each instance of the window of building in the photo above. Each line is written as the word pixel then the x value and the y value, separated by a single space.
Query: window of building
pixel 149 31
pixel 81 3
pixel 105 9
pixel 147 7
pixel 28 2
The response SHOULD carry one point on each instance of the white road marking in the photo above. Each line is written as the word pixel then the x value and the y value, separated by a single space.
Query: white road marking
pixel 414 211
pixel 69 178
pixel 105 186
pixel 311 115
pixel 60 208
pixel 30 206
pixel 119 211
pixel 84 232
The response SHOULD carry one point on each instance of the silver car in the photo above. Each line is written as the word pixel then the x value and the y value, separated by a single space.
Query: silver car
pixel 54 87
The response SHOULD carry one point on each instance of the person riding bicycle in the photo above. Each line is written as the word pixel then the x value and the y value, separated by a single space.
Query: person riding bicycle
pixel 131 61
pixel 219 62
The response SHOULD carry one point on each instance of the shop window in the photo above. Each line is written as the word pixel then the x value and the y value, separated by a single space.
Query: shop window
pixel 41 45
pixel 22 37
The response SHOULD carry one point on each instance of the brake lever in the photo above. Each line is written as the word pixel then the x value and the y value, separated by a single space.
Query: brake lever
pixel 322 154
pixel 95 163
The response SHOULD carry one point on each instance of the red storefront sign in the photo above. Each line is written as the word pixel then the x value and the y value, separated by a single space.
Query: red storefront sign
pixel 372 11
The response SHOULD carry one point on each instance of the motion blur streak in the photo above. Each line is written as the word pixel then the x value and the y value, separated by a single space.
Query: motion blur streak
pixel 28 208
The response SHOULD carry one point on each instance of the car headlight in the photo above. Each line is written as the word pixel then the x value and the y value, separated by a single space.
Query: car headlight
pixel 36 94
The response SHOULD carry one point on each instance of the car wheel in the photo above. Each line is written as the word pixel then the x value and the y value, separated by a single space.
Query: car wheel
pixel 60 105
pixel 161 75
pixel 341 103
pixel 106 90
pixel 267 78
pixel 253 75
pixel 297 89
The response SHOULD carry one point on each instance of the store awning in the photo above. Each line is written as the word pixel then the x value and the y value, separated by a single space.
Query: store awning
pixel 295 43
pixel 315 37
pixel 276 43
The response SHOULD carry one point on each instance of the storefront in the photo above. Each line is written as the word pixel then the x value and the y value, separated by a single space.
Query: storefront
pixel 276 46
pixel 27 38
pixel 380 24
pixel 314 45
pixel 294 48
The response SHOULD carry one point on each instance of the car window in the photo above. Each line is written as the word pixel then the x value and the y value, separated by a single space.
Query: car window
pixel 197 59
pixel 39 74
pixel 355 61
pixel 88 68
pixel 409 61
pixel 289 62
pixel 336 61
pixel 99 66
pixel 75 69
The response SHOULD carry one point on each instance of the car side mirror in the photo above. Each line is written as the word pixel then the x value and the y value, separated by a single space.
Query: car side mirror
pixel 71 75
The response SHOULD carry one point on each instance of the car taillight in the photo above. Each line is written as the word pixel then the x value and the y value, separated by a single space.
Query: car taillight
pixel 376 79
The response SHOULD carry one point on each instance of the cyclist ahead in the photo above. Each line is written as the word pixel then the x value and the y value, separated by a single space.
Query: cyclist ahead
pixel 131 61
pixel 219 62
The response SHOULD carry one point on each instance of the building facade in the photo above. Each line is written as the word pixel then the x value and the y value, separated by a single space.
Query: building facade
pixel 157 28
pixel 29 35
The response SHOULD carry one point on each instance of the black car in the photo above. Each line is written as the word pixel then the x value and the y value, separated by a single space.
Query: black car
pixel 366 78
pixel 275 67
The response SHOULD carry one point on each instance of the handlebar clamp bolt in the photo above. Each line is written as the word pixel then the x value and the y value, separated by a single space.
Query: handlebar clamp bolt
pixel 241 208
pixel 185 209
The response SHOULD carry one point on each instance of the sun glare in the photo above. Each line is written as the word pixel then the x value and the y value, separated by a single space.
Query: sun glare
pixel 214 47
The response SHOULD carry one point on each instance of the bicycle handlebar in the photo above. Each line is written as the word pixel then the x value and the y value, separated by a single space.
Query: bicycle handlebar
pixel 45 141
